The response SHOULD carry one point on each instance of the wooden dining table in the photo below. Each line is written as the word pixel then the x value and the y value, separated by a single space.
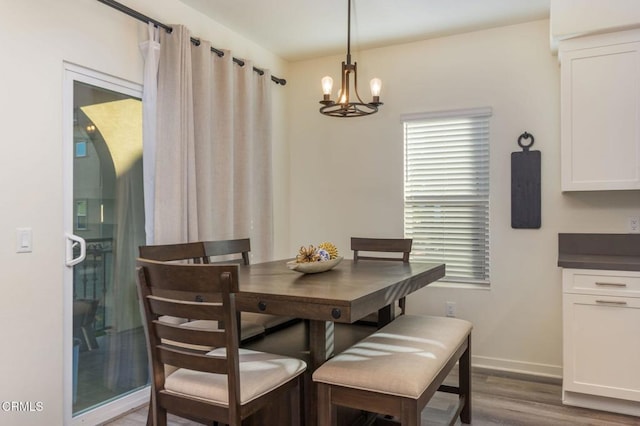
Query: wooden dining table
pixel 344 294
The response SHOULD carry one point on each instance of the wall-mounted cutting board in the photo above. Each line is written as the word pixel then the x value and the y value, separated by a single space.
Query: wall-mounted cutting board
pixel 525 186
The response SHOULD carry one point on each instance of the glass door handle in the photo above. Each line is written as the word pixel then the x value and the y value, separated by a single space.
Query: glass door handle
pixel 71 242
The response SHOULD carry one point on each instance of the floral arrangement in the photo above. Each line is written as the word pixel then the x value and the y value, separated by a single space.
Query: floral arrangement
pixel 325 251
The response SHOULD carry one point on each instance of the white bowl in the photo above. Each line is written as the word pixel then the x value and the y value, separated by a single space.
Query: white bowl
pixel 314 267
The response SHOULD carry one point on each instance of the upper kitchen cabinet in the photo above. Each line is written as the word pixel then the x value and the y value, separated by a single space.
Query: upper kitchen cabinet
pixel 600 112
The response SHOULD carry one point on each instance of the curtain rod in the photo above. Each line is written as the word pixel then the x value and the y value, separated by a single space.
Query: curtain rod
pixel 139 16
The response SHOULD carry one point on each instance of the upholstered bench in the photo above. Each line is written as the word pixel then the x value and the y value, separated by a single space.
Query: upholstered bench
pixel 396 370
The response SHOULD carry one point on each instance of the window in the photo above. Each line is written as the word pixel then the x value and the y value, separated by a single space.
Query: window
pixel 81 214
pixel 81 149
pixel 446 191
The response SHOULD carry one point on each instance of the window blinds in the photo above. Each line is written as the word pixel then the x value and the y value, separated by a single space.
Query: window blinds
pixel 446 191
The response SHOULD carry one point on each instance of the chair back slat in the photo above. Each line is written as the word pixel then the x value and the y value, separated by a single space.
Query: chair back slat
pixel 217 248
pixel 174 252
pixel 191 336
pixel 198 308
pixel 196 280
pixel 382 245
pixel 192 360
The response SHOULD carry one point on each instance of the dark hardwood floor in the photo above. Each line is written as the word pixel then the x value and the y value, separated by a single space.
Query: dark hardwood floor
pixel 498 398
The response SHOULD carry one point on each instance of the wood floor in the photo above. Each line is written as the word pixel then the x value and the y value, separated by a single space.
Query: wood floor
pixel 498 399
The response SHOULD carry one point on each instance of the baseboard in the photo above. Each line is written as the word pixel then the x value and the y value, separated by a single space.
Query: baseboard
pixel 519 368
pixel 630 408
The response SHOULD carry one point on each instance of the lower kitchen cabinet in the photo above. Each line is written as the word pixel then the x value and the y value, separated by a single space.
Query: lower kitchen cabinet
pixel 601 342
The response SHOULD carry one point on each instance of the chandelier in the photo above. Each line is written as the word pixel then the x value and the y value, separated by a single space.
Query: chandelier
pixel 348 105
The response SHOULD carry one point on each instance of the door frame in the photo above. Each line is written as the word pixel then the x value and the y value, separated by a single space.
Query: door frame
pixel 110 410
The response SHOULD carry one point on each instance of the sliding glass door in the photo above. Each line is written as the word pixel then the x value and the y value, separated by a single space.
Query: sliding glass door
pixel 105 226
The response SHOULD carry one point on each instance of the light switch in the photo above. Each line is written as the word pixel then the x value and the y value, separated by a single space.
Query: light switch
pixel 23 240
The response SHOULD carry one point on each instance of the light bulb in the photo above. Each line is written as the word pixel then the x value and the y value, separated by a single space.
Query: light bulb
pixel 375 84
pixel 327 85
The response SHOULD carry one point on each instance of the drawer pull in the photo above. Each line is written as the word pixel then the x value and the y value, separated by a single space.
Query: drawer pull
pixel 611 302
pixel 611 284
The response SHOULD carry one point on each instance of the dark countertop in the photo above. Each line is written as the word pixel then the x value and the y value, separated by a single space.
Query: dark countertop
pixel 620 252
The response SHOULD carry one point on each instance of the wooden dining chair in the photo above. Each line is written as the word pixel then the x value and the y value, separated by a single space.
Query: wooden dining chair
pixel 223 385
pixel 193 252
pixel 237 251
pixel 218 248
pixel 396 249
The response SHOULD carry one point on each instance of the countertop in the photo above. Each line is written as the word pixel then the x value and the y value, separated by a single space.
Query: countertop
pixel 619 252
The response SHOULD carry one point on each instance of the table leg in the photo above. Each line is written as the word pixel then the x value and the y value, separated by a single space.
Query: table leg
pixel 321 342
pixel 386 315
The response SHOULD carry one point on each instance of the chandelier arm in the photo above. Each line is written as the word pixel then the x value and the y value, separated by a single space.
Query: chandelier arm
pixel 344 88
pixel 355 82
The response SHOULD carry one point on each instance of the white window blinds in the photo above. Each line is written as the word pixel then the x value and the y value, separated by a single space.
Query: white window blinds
pixel 446 191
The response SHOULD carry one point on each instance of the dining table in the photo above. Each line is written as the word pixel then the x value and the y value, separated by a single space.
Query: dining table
pixel 348 292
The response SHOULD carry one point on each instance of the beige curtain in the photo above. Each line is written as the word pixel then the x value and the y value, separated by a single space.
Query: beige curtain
pixel 213 167
pixel 175 191
pixel 151 52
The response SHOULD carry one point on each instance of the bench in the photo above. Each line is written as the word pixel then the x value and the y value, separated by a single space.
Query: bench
pixel 396 370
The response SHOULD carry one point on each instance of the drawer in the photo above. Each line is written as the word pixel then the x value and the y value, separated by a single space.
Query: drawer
pixel 590 281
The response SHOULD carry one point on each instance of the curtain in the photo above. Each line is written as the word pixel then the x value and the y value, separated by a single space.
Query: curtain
pixel 175 209
pixel 126 366
pixel 261 194
pixel 151 54
pixel 213 165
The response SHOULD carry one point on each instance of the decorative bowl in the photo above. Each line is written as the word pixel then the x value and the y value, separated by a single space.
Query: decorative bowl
pixel 314 267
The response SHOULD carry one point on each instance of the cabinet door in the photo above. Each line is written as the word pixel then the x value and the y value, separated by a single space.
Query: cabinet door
pixel 600 118
pixel 602 345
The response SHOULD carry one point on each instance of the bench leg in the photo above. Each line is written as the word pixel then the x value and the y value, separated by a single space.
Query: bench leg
pixel 464 366
pixel 295 401
pixel 327 412
pixel 411 413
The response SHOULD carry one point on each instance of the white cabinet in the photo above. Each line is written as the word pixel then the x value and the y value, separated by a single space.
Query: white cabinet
pixel 601 342
pixel 600 112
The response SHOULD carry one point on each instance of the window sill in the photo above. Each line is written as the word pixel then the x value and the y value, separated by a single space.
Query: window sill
pixel 461 285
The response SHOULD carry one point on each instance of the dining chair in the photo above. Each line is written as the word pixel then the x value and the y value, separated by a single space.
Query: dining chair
pixel 226 384
pixel 396 249
pixel 218 248
pixel 193 252
pixel 237 251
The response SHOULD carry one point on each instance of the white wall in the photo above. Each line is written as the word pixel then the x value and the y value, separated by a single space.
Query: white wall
pixel 36 36
pixel 572 18
pixel 346 177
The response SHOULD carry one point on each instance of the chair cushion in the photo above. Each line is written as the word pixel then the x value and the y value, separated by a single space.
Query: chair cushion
pixel 400 359
pixel 260 372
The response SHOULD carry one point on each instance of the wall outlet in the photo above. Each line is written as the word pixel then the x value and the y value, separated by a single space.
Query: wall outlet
pixel 450 309
pixel 634 224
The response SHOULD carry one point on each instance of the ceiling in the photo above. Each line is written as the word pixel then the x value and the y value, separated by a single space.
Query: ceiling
pixel 303 29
